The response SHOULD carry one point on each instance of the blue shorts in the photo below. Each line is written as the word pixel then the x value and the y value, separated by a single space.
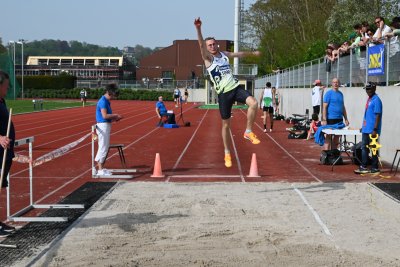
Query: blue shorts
pixel 226 100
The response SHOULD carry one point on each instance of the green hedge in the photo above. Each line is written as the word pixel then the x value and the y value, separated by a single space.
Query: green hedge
pixel 48 82
pixel 125 94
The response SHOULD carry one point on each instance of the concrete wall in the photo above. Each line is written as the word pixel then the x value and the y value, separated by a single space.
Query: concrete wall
pixel 298 100
pixel 197 95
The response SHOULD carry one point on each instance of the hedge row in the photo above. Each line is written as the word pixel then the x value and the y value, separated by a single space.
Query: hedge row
pixel 48 82
pixel 125 94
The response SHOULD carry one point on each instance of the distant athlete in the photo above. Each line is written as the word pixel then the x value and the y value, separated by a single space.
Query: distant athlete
pixel 177 97
pixel 83 94
pixel 227 88
pixel 267 98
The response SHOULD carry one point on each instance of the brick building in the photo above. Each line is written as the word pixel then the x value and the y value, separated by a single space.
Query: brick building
pixel 180 61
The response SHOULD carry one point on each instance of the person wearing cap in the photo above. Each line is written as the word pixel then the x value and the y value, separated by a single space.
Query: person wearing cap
pixel 104 117
pixel 371 127
pixel 316 96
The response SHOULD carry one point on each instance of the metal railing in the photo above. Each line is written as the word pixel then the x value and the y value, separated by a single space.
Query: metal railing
pixel 350 69
pixel 138 84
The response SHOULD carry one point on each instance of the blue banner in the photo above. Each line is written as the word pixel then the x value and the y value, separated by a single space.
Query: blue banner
pixel 376 60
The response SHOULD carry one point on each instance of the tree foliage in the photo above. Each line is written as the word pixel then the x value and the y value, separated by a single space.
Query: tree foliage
pixel 288 32
pixel 345 14
pixel 293 31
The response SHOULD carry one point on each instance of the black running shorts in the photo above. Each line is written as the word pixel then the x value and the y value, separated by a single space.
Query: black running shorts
pixel 226 100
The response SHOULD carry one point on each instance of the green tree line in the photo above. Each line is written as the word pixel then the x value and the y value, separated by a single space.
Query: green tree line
pixel 290 32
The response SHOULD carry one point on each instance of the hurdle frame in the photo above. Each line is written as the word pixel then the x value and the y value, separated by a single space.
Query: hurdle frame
pixel 16 217
pixel 113 176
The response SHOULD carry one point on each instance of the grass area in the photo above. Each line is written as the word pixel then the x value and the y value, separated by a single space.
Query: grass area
pixel 216 106
pixel 25 106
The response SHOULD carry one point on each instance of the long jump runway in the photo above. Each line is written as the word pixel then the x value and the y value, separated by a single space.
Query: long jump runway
pixel 192 161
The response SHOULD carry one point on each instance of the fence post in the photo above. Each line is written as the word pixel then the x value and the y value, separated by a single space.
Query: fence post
pixel 366 64
pixel 387 43
pixel 351 68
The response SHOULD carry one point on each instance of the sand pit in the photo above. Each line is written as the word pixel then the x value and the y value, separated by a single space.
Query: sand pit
pixel 233 224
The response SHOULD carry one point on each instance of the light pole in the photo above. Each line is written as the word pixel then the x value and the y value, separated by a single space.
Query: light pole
pixel 21 42
pixel 13 43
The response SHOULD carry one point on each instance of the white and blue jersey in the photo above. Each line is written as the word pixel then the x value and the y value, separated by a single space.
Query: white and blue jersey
pixel 221 74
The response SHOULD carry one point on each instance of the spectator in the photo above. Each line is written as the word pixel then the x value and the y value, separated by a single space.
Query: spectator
pixel 315 123
pixel 333 110
pixel 277 100
pixel 316 96
pixel 104 117
pixel 186 95
pixel 5 142
pixel 366 34
pixel 395 26
pixel 277 72
pixel 381 31
pixel 162 112
pixel 328 59
pixel 371 127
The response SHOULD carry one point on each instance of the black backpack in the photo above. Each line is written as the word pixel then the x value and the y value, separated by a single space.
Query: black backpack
pixel 328 157
pixel 300 134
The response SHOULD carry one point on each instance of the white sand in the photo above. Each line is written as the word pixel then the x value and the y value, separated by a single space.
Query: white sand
pixel 234 224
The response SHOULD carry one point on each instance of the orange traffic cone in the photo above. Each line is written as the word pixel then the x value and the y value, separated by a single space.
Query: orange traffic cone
pixel 157 172
pixel 253 167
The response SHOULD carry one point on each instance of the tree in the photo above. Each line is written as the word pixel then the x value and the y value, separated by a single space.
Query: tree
pixel 287 32
pixel 2 48
pixel 347 13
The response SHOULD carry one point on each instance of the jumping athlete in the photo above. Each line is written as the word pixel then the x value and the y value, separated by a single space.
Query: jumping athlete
pixel 227 88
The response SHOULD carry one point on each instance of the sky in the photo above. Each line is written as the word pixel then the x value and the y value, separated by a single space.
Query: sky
pixel 117 23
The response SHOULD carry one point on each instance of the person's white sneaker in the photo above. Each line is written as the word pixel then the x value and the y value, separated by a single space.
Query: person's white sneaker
pixel 265 130
pixel 270 130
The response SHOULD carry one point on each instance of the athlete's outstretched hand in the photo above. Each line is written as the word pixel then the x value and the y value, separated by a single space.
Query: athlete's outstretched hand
pixel 197 22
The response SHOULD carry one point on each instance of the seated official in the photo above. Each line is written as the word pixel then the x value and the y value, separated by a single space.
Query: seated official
pixel 163 114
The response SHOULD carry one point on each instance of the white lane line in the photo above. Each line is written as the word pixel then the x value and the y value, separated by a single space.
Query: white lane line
pixel 204 176
pixel 90 169
pixel 237 158
pixel 290 155
pixel 316 216
pixel 187 145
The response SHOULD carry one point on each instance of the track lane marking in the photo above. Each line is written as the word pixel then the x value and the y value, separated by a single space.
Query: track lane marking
pixel 287 152
pixel 187 146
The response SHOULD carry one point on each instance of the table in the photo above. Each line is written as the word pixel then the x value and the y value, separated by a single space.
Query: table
pixel 344 146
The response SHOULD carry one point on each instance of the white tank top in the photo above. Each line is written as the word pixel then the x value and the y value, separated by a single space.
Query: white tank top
pixel 267 97
pixel 221 74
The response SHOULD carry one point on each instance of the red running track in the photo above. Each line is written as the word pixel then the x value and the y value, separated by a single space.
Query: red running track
pixel 188 154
